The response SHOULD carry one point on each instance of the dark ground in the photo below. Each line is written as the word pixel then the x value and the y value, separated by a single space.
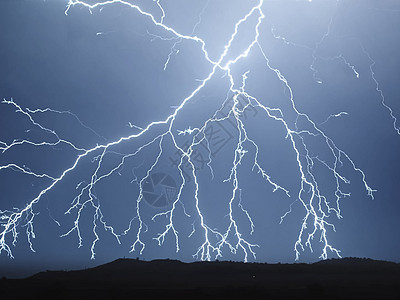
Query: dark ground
pixel 349 278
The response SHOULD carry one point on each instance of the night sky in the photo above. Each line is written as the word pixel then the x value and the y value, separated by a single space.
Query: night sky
pixel 102 74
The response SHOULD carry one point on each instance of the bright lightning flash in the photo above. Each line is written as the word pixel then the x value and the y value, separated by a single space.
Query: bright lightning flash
pixel 317 206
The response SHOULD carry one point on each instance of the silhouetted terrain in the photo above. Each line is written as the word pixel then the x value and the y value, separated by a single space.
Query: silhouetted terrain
pixel 349 278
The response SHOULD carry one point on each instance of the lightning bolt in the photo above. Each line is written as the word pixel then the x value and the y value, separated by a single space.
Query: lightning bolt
pixel 379 90
pixel 299 131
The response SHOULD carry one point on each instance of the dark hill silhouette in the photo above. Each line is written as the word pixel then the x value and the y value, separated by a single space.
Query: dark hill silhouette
pixel 348 278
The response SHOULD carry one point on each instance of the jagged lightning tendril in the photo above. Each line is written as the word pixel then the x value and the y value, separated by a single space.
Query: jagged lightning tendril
pixel 380 92
pixel 317 206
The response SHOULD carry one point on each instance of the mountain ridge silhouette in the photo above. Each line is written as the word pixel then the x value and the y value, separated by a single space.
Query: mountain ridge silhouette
pixel 348 278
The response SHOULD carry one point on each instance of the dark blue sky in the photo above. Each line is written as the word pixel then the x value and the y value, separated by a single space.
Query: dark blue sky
pixel 106 67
